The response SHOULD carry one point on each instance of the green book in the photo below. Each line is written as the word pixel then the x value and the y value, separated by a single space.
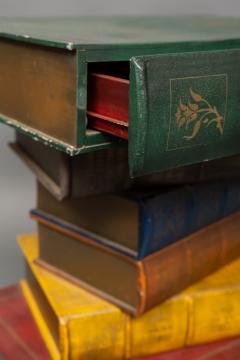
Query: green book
pixel 170 85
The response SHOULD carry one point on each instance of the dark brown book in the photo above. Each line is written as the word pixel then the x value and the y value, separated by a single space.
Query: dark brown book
pixel 64 176
pixel 106 170
pixel 137 286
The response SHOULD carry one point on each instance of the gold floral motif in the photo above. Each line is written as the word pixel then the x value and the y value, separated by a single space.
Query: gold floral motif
pixel 197 111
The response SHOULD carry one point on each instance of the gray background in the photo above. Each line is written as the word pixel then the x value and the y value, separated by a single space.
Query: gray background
pixel 17 185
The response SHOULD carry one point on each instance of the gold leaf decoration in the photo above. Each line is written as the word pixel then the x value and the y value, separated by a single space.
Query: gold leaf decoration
pixel 182 106
pixel 198 111
pixel 195 96
pixel 193 107
pixel 196 129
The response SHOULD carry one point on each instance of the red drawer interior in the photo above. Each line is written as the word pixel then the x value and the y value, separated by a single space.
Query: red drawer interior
pixel 107 108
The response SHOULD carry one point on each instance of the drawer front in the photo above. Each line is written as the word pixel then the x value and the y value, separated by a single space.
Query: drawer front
pixel 184 108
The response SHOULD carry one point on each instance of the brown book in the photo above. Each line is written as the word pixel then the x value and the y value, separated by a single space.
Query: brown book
pixel 64 176
pixel 134 285
pixel 138 223
pixel 106 170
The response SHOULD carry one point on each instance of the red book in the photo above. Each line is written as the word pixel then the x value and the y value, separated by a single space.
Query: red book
pixel 19 335
pixel 221 350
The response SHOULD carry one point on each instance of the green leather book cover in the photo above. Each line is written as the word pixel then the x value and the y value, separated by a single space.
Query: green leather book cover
pixel 186 109
pixel 183 84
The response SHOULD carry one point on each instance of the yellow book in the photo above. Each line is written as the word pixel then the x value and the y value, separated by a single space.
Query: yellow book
pixel 78 325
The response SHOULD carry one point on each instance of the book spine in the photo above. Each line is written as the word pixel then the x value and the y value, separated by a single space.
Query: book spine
pixel 97 336
pixel 187 320
pixel 176 214
pixel 183 320
pixel 187 261
pixel 160 329
pixel 214 315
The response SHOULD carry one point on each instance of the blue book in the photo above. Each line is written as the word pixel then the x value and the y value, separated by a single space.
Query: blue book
pixel 138 224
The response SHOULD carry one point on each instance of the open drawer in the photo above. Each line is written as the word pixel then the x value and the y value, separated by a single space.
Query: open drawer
pixel 172 109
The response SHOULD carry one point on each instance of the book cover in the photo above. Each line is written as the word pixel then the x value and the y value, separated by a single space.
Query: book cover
pixel 175 83
pixel 106 170
pixel 137 285
pixel 138 223
pixel 19 335
pixel 206 312
pixel 64 176
pixel 225 350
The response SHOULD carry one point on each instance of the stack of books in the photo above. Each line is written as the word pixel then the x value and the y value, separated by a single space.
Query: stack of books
pixel 131 128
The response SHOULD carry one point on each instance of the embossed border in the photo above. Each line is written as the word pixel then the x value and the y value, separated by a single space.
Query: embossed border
pixel 170 93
